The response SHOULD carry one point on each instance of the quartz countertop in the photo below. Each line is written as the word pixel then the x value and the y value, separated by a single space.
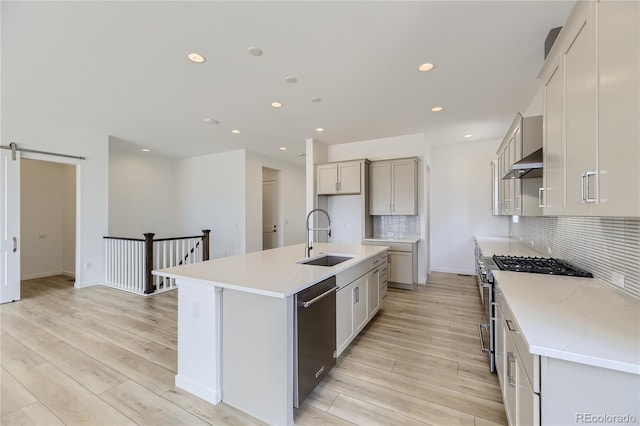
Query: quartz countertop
pixel 276 272
pixel 581 320
pixel 505 246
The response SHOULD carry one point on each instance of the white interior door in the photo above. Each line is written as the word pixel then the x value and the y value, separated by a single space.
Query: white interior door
pixel 269 214
pixel 10 226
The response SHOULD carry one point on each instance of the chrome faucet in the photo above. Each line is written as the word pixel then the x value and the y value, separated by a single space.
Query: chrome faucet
pixel 308 245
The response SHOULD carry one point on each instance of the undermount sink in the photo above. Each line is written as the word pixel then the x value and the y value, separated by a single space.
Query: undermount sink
pixel 326 260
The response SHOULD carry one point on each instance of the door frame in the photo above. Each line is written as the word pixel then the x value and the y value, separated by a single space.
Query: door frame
pixel 78 166
pixel 278 218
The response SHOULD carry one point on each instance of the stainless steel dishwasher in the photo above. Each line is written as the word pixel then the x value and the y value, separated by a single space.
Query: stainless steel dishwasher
pixel 315 337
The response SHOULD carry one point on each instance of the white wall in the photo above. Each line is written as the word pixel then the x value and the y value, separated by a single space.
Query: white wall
pixel 395 147
pixel 210 194
pixel 44 227
pixel 291 200
pixel 461 204
pixel 141 188
pixel 34 133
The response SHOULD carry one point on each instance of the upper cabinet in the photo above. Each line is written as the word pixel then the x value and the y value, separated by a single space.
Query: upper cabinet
pixel 339 178
pixel 519 196
pixel 591 82
pixel 393 187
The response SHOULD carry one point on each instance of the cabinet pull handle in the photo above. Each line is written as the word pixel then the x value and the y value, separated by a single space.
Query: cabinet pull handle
pixel 15 244
pixel 583 199
pixel 510 359
pixel 540 192
pixel 518 202
pixel 588 189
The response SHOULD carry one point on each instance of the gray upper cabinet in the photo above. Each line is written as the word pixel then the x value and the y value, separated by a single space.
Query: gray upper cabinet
pixel 339 178
pixel 393 187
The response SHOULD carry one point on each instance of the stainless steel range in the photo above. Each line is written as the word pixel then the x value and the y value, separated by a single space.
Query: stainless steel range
pixel 534 265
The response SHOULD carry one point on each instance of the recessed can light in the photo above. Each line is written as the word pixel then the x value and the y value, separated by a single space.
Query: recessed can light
pixel 276 104
pixel 211 121
pixel 319 129
pixel 437 109
pixel 146 150
pixel 426 67
pixel 283 148
pixel 254 51
pixel 316 100
pixel 235 131
pixel 291 79
pixel 467 136
pixel 195 57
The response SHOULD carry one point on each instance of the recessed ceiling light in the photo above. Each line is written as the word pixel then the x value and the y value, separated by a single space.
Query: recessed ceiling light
pixel 195 57
pixel 146 150
pixel 211 121
pixel 283 148
pixel 235 131
pixel 467 136
pixel 276 104
pixel 255 51
pixel 426 67
pixel 437 109
pixel 319 129
pixel 301 154
pixel 316 100
pixel 291 79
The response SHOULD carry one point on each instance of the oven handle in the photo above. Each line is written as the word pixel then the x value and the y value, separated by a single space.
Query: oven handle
pixel 480 328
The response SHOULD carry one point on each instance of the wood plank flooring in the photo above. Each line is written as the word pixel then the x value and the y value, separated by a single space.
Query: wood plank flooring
pixel 102 356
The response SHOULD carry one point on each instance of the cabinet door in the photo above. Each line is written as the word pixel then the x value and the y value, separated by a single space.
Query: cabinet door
pixel 360 303
pixel 327 179
pixel 344 317
pixel 373 292
pixel 500 349
pixel 527 403
pixel 510 378
pixel 516 152
pixel 404 177
pixel 349 178
pixel 400 267
pixel 380 188
pixel 553 173
pixel 500 183
pixel 580 116
pixel 618 108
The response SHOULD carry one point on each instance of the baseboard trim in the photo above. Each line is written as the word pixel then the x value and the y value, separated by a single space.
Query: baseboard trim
pixel 41 275
pixel 454 271
pixel 211 395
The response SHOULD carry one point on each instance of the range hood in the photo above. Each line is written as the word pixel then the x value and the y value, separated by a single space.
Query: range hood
pixel 529 167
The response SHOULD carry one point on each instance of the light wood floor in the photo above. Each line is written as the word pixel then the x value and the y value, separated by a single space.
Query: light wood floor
pixel 101 356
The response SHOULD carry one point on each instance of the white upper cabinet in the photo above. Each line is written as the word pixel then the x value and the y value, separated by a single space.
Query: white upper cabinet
pixel 618 108
pixel 339 178
pixel 393 187
pixel 591 83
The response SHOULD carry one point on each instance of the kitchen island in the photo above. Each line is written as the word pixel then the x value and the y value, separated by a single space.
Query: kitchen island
pixel 236 323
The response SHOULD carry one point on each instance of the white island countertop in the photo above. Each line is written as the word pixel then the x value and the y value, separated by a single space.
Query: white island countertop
pixel 276 272
pixel 505 246
pixel 581 320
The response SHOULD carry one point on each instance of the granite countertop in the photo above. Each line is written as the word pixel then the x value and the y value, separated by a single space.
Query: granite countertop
pixel 575 319
pixel 505 246
pixel 274 272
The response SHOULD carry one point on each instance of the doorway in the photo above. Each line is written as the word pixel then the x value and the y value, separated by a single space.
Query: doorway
pixel 271 232
pixel 47 219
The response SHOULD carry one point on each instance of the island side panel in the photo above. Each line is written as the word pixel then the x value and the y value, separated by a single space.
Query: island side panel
pixel 257 355
pixel 199 334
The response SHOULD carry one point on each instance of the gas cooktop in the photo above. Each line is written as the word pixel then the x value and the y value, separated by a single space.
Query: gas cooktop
pixel 538 265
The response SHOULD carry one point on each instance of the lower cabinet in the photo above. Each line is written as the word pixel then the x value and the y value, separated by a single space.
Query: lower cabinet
pixel 401 267
pixel 359 301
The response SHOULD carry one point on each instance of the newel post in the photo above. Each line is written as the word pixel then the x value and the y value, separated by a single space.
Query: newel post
pixel 205 244
pixel 148 263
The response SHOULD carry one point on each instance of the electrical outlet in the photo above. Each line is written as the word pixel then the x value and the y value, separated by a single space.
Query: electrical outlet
pixel 195 310
pixel 549 250
pixel 618 279
pixel 87 265
pixel 533 244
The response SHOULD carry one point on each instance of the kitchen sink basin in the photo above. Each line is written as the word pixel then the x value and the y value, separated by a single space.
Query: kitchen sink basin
pixel 326 260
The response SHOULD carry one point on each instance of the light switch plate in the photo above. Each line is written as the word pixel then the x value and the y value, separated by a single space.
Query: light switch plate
pixel 618 279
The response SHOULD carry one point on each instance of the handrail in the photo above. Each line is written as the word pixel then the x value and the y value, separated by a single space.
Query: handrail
pixel 177 238
pixel 123 238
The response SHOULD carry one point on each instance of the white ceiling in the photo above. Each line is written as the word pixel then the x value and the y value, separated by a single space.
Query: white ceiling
pixel 120 68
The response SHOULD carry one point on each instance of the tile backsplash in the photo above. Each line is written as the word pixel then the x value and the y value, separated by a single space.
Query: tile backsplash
pixel 396 226
pixel 604 246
